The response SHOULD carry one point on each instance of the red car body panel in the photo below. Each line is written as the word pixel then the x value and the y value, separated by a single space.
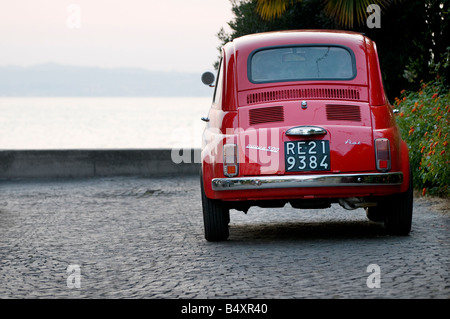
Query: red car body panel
pixel 256 117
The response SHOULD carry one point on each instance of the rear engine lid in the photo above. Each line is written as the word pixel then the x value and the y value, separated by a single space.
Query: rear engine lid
pixel 346 144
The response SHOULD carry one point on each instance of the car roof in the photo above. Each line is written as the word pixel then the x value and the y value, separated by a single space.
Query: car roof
pixel 274 38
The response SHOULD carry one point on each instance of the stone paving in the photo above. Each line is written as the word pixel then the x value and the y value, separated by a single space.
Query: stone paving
pixel 132 237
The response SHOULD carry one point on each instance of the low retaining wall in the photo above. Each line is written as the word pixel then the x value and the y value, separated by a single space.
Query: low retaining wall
pixel 94 163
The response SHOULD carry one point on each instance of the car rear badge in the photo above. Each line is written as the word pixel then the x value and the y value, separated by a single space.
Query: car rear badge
pixel 304 105
pixel 349 141
pixel 263 148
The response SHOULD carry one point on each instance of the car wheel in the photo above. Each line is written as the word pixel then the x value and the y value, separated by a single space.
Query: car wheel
pixel 399 215
pixel 216 217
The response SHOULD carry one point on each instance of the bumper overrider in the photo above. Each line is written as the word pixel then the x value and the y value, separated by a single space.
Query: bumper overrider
pixel 301 181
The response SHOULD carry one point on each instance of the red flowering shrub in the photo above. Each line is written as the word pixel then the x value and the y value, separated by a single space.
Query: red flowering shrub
pixel 425 126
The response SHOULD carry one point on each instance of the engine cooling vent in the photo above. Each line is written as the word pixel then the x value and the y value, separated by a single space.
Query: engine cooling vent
pixel 266 115
pixel 312 93
pixel 343 113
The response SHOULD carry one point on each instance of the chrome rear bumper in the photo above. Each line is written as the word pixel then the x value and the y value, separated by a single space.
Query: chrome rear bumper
pixel 298 181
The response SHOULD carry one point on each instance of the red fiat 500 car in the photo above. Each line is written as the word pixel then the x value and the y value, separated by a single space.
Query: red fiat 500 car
pixel 301 117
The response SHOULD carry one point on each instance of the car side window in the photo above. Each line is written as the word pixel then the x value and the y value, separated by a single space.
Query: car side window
pixel 217 100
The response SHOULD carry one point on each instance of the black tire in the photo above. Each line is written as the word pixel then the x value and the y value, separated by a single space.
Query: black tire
pixel 399 214
pixel 216 217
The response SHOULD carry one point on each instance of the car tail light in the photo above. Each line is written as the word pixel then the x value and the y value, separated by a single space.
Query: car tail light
pixel 383 154
pixel 230 160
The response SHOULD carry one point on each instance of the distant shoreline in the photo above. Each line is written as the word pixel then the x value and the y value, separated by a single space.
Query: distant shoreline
pixel 55 80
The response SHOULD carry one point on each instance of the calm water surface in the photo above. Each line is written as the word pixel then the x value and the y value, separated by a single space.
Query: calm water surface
pixel 101 123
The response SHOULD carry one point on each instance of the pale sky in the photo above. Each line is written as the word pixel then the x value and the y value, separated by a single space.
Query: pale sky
pixel 169 35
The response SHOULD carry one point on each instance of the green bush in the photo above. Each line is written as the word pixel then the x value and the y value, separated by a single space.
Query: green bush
pixel 424 123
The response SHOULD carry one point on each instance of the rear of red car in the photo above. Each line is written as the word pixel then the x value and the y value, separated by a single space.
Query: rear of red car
pixel 301 118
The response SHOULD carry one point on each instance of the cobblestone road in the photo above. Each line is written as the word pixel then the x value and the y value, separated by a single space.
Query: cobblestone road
pixel 143 238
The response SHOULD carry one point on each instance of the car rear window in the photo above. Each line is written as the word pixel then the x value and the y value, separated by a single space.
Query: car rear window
pixel 297 63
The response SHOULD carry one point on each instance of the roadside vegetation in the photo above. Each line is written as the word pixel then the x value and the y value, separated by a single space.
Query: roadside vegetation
pixel 424 122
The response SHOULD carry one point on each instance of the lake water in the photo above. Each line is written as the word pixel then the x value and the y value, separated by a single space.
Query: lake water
pixel 101 123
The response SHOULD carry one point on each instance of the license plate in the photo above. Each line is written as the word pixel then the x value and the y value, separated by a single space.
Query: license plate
pixel 304 156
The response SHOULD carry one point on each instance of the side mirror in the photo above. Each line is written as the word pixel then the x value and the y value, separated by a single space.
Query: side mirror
pixel 208 78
